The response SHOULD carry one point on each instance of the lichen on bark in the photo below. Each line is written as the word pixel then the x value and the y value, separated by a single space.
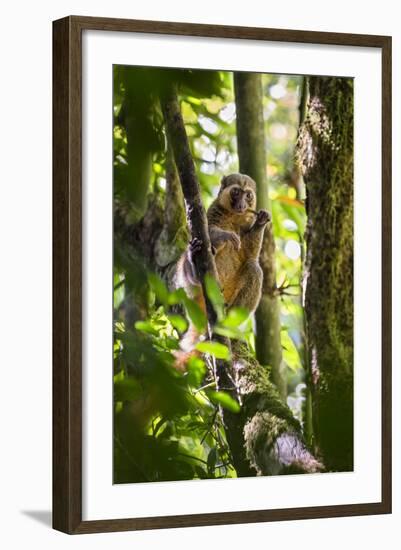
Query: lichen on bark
pixel 273 437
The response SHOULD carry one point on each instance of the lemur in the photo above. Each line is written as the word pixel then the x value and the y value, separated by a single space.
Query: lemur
pixel 236 234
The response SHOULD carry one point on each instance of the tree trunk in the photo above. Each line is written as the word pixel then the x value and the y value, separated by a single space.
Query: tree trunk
pixel 252 161
pixel 136 117
pixel 264 438
pixel 325 151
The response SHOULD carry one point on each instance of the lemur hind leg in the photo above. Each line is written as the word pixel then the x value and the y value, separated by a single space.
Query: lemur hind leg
pixel 249 293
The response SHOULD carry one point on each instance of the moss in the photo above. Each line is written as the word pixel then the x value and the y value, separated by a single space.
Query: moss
pixel 255 386
pixel 325 153
pixel 261 433
pixel 264 415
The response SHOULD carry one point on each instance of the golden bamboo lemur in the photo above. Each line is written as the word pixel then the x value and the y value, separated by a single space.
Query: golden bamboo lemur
pixel 236 234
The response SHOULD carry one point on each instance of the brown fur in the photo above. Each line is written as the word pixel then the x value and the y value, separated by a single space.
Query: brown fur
pixel 236 235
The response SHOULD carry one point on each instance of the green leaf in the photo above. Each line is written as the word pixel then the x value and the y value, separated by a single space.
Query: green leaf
pixel 177 297
pixel 127 389
pixel 220 351
pixel 178 322
pixel 225 400
pixel 290 352
pixel 232 333
pixel 146 326
pixel 235 317
pixel 214 294
pixel 159 287
pixel 170 343
pixel 119 376
pixel 196 314
pixel 196 371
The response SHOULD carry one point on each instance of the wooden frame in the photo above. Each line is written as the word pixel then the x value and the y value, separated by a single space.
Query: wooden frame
pixel 67 274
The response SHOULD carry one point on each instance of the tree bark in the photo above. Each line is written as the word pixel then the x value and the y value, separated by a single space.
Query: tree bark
pixel 252 161
pixel 325 151
pixel 264 438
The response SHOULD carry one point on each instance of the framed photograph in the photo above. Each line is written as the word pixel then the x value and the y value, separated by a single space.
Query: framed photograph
pixel 222 274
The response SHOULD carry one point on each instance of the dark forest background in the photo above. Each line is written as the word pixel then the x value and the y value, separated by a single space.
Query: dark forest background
pixel 290 408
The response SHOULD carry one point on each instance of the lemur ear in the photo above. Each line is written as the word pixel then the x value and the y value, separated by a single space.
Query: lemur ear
pixel 224 182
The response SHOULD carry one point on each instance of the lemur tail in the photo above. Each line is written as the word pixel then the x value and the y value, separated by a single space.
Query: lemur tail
pixel 188 343
pixel 185 277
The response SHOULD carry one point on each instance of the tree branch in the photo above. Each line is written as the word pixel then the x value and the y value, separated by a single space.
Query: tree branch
pixel 196 215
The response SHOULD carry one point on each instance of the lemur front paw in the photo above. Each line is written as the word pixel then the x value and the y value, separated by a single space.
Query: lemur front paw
pixel 262 218
pixel 195 246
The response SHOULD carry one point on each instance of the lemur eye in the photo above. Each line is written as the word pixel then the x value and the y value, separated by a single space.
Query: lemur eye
pixel 235 191
pixel 249 195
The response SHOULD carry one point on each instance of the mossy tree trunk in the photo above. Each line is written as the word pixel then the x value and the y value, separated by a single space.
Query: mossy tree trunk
pixel 325 150
pixel 252 161
pixel 273 440
pixel 153 243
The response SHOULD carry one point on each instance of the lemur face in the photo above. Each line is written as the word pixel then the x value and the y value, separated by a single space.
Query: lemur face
pixel 237 193
pixel 241 199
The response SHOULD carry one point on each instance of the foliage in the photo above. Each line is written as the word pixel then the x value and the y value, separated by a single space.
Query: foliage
pixel 170 416
pixel 167 424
